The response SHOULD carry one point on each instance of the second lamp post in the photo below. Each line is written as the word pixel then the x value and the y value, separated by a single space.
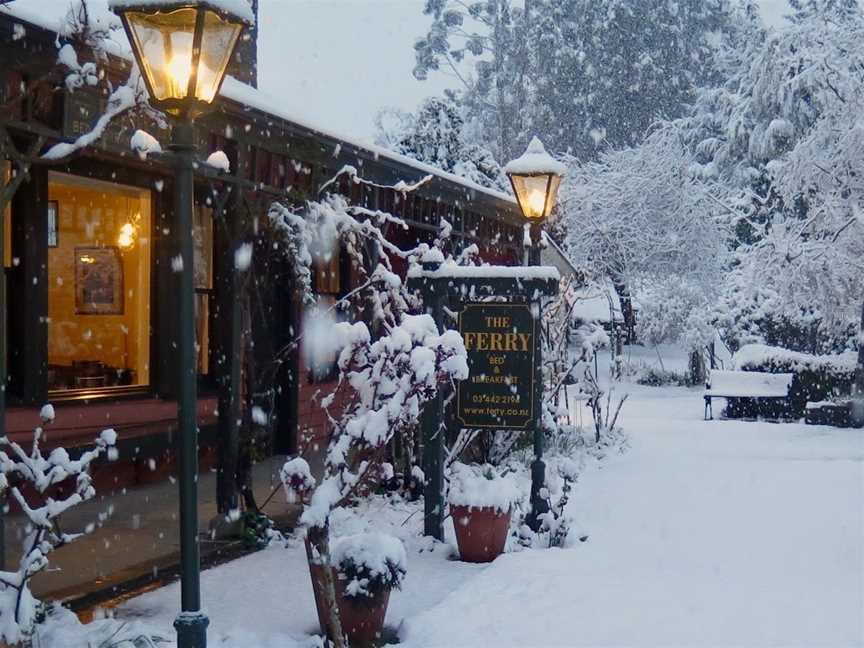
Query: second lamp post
pixel 535 177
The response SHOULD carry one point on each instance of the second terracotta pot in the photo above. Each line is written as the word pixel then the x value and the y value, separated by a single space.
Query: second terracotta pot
pixel 481 533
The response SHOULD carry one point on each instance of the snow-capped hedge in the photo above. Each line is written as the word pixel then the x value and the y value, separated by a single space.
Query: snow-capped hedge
pixel 370 562
pixel 755 357
pixel 482 487
pixel 817 377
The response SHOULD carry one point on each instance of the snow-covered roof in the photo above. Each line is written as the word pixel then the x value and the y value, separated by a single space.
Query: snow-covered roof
pixel 450 270
pixel 45 16
pixel 246 95
pixel 596 302
pixel 50 15
pixel 553 255
pixel 237 8
pixel 535 161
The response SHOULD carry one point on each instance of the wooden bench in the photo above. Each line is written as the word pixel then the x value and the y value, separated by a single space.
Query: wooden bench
pixel 754 385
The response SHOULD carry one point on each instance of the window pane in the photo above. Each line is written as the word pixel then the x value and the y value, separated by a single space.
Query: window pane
pixel 99 285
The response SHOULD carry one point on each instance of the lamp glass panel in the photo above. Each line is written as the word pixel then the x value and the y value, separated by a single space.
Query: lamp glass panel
pixel 554 184
pixel 217 45
pixel 163 42
pixel 531 192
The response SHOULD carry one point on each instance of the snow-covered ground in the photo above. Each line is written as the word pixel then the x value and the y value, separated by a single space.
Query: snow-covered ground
pixel 716 533
pixel 703 533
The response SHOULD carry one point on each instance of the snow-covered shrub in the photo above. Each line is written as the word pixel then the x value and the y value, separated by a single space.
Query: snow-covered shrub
pixel 383 385
pixel 484 486
pixel 753 311
pixel 555 525
pixel 657 377
pixel 258 530
pixel 664 306
pixel 371 563
pixel 22 472
pixel 605 412
pixel 389 363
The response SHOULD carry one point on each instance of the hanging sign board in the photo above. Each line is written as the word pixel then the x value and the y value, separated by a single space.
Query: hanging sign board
pixel 499 391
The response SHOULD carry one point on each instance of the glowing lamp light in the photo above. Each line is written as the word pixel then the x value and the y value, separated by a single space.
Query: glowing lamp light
pixel 126 238
pixel 179 71
pixel 536 177
pixel 183 47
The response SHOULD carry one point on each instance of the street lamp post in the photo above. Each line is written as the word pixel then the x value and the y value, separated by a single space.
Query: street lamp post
pixel 535 177
pixel 183 48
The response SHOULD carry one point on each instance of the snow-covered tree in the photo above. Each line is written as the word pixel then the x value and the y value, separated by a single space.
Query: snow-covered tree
pixel 483 44
pixel 389 361
pixel 437 136
pixel 640 215
pixel 782 140
pixel 582 74
pixel 604 72
pixel 59 483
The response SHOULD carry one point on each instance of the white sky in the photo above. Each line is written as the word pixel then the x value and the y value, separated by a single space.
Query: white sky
pixel 337 62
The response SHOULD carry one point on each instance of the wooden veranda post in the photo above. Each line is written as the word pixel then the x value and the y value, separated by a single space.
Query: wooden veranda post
pixel 229 294
pixel 432 423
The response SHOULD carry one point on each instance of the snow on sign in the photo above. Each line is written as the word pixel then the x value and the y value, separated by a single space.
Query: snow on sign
pixel 499 392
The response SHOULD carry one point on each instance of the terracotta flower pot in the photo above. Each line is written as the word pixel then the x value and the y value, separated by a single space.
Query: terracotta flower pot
pixel 480 532
pixel 362 617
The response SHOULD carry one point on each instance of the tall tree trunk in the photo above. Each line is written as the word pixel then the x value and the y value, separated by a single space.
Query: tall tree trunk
pixel 858 389
pixel 859 371
pixel 697 366
pixel 627 312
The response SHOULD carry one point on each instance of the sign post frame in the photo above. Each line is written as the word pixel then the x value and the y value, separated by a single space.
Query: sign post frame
pixel 439 288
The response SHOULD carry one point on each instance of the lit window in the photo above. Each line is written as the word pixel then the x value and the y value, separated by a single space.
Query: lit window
pixel 98 284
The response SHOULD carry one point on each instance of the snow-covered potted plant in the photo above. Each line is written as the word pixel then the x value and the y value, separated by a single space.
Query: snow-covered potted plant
pixel 389 365
pixel 481 502
pixel 44 485
pixel 365 567
pixel 383 385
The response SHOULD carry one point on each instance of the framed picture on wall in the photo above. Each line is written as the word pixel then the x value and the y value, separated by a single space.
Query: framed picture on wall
pixel 53 215
pixel 98 281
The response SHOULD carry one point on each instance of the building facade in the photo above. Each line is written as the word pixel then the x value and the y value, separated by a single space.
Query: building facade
pixel 90 274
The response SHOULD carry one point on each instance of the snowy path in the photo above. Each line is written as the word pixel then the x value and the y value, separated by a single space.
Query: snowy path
pixel 702 534
pixel 717 533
